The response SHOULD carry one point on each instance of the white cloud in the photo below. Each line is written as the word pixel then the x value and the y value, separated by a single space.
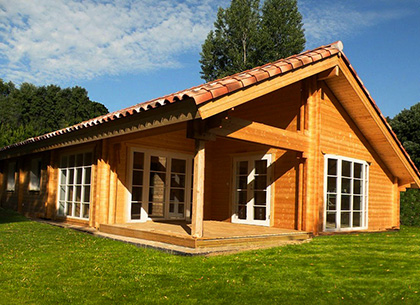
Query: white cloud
pixel 44 41
pixel 327 21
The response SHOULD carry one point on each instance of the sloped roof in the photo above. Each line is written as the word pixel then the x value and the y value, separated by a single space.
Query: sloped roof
pixel 205 92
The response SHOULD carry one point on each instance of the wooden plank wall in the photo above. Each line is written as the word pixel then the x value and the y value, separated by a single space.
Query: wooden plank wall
pixel 339 135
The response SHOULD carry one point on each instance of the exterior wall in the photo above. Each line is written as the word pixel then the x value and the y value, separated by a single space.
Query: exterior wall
pixel 340 136
pixel 28 202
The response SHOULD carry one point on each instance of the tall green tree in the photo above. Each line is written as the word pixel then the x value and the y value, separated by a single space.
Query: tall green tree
pixel 406 126
pixel 30 111
pixel 246 35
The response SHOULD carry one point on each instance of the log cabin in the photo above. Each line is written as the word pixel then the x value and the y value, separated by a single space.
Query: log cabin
pixel 297 145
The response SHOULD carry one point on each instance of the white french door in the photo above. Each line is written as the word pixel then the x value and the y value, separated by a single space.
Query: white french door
pixel 252 191
pixel 161 185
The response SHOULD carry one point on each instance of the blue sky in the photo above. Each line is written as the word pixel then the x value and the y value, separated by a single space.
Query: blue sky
pixel 126 51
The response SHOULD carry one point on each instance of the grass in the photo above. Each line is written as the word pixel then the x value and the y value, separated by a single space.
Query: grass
pixel 43 264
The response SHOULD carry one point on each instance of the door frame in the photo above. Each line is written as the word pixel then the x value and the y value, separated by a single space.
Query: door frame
pixel 148 152
pixel 252 157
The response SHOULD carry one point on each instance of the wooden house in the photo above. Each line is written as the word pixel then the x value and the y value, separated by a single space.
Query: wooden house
pixel 297 145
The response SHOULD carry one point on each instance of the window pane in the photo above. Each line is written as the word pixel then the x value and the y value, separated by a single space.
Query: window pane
pixel 181 208
pixel 86 194
pixel 71 176
pixel 158 164
pixel 138 160
pixel 345 185
pixel 356 219
pixel 242 167
pixel 331 222
pixel 79 175
pixel 62 193
pixel 357 186
pixel 332 185
pixel 78 193
pixel 332 167
pixel 259 213
pixel 61 208
pixel 345 202
pixel 260 197
pixel 156 209
pixel 345 170
pixel 331 202
pixel 137 177
pixel 88 173
pixel 177 180
pixel 357 170
pixel 63 176
pixel 69 209
pixel 242 211
pixel 177 195
pixel 137 194
pixel 261 167
pixel 178 166
pixel 77 209
pixel 156 194
pixel 241 197
pixel 135 210
pixel 70 193
pixel 357 200
pixel 345 219
pixel 157 179
pixel 85 213
pixel 242 182
pixel 260 182
pixel 171 208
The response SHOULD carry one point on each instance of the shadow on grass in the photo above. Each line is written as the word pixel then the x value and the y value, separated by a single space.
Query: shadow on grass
pixel 9 216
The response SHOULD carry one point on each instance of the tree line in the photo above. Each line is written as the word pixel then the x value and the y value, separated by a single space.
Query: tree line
pixel 30 111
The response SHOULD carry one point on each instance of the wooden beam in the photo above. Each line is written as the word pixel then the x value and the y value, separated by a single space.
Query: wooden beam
pixel 330 73
pixel 395 204
pixel 252 92
pixel 250 131
pixel 301 193
pixel 198 190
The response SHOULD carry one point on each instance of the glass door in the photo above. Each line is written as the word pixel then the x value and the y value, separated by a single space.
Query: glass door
pixel 252 190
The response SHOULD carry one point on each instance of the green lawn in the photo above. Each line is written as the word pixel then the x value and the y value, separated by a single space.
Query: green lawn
pixel 43 264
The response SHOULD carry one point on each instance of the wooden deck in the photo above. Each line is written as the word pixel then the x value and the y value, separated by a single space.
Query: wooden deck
pixel 215 233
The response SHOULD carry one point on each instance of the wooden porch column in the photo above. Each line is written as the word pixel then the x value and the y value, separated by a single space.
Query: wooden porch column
pixel 198 192
pixel 396 204
pixel 313 172
pixel 52 186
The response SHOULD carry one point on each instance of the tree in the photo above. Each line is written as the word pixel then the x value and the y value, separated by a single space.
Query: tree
pixel 30 111
pixel 406 126
pixel 246 36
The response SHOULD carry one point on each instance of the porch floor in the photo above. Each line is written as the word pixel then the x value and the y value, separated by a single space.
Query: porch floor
pixel 215 233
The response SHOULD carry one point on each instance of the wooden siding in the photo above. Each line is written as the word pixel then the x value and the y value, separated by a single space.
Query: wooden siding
pixel 340 136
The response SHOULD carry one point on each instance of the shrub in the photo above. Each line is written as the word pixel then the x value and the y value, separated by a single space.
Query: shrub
pixel 410 207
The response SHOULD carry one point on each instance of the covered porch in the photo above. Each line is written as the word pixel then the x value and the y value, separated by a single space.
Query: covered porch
pixel 215 233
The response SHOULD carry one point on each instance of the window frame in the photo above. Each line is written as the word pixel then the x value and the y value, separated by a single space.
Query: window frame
pixel 11 176
pixel 169 155
pixel 83 185
pixel 35 175
pixel 364 193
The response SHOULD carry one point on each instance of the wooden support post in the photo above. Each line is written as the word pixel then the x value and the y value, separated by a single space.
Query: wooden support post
pixel 396 204
pixel 52 187
pixel 300 193
pixel 21 182
pixel 102 194
pixel 198 192
pixel 313 171
pixel 113 184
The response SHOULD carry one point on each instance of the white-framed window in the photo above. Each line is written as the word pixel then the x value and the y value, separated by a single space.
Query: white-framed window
pixel 75 185
pixel 346 193
pixel 35 175
pixel 11 176
pixel 161 184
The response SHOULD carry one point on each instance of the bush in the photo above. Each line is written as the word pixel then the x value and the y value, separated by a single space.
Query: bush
pixel 410 207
